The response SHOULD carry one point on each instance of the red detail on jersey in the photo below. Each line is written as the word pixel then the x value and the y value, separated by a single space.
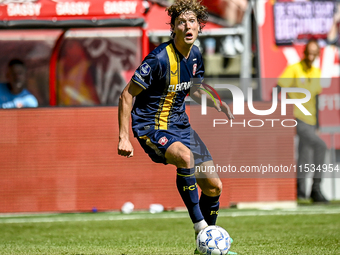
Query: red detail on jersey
pixel 194 68
pixel 163 141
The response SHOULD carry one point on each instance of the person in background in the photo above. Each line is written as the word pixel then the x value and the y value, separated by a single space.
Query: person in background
pixel 13 93
pixel 333 36
pixel 304 75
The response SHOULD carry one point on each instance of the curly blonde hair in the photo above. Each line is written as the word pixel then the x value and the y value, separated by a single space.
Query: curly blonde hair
pixel 182 6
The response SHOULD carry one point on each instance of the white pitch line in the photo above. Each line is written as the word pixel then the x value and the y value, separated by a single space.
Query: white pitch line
pixel 176 215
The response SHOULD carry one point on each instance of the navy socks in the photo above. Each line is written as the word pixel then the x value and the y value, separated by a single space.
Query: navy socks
pixel 209 208
pixel 205 207
pixel 187 187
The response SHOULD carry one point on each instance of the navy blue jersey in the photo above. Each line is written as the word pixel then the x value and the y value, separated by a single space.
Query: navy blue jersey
pixel 165 76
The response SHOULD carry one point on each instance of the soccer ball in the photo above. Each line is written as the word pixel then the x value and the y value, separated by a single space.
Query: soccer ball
pixel 213 240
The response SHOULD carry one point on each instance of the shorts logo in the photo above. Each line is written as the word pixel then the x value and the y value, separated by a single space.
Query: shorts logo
pixel 145 69
pixel 163 141
pixel 194 68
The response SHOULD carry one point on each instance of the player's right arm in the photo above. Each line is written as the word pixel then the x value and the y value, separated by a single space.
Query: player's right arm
pixel 124 110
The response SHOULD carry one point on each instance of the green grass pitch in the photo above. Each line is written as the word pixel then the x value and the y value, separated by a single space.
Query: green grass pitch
pixel 306 230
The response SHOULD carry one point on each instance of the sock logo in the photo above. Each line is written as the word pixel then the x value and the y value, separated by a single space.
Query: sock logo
pixel 191 188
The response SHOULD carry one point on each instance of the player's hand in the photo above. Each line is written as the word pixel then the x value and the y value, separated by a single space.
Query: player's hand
pixel 225 108
pixel 125 148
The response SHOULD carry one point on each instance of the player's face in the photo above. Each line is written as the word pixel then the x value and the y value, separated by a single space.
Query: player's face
pixel 16 77
pixel 186 28
pixel 311 53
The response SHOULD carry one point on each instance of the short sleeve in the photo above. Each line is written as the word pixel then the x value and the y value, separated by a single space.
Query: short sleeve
pixel 287 77
pixel 147 72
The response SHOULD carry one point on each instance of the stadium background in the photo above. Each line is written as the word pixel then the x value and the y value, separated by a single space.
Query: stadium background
pixel 64 158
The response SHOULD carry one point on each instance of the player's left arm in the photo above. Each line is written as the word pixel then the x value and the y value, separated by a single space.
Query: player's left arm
pixel 196 94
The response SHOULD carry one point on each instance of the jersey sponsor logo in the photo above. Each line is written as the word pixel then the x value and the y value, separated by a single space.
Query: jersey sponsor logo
pixel 145 69
pixel 180 86
pixel 163 141
pixel 194 68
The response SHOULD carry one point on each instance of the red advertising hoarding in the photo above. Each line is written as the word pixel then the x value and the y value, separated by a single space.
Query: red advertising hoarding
pixel 60 9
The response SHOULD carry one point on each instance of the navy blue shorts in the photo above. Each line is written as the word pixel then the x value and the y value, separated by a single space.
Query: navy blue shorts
pixel 156 142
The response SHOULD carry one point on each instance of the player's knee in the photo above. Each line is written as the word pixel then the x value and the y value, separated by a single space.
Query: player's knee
pixel 185 159
pixel 214 190
pixel 218 189
pixel 180 156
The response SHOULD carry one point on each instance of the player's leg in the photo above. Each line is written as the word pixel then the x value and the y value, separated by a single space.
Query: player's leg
pixel 211 187
pixel 165 147
pixel 209 183
pixel 179 155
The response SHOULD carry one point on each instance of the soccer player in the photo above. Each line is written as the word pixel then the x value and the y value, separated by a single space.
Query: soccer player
pixel 159 121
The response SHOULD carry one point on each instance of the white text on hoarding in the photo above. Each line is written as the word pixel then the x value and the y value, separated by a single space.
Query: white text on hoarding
pixel 27 9
pixel 120 7
pixel 73 8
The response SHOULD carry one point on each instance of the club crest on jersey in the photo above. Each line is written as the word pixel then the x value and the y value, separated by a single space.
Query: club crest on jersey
pixel 194 68
pixel 145 69
pixel 163 141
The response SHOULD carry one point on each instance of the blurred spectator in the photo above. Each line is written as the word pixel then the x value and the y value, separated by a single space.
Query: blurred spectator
pixel 235 10
pixel 304 75
pixel 333 36
pixel 13 93
pixel 230 10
